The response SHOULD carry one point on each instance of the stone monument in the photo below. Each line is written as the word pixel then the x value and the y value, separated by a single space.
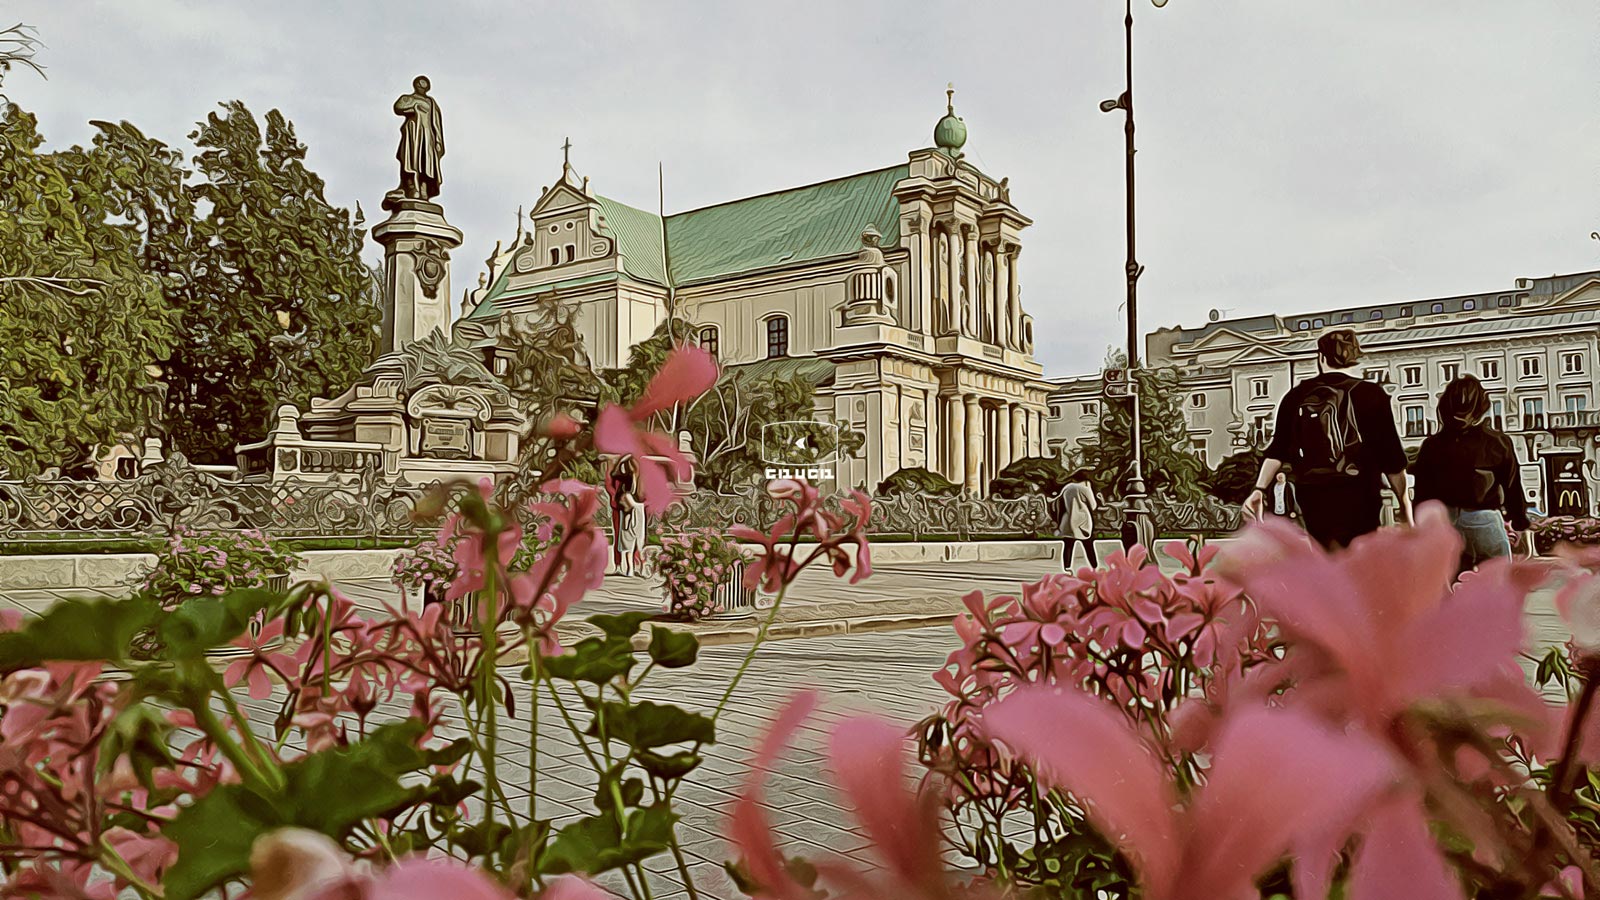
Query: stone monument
pixel 416 238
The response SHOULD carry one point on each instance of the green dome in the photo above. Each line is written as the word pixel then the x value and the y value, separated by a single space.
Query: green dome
pixel 951 133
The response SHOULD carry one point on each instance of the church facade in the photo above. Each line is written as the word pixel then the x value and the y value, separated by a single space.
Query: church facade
pixel 894 292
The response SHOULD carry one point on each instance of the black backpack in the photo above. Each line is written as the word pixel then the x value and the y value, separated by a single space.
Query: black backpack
pixel 1326 433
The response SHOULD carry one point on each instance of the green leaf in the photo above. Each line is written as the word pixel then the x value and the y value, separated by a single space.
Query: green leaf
pixel 673 649
pixel 596 844
pixel 668 767
pixel 77 630
pixel 141 732
pixel 621 626
pixel 646 725
pixel 203 623
pixel 326 792
pixel 592 659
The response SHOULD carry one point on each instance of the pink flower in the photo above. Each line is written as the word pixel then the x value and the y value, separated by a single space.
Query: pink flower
pixel 687 373
pixel 749 829
pixel 1276 778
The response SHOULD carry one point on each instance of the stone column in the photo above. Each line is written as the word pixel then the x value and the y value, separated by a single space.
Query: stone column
pixel 1020 435
pixel 953 280
pixel 921 269
pixel 1006 438
pixel 974 421
pixel 416 242
pixel 1036 433
pixel 975 304
pixel 1002 293
pixel 956 440
pixel 1013 300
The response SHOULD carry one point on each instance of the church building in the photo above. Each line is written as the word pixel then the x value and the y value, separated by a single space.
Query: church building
pixel 895 292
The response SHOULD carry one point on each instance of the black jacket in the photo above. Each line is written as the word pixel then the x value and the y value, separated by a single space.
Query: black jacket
pixel 1472 468
pixel 1381 452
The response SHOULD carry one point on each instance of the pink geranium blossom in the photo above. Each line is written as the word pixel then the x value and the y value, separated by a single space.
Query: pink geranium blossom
pixel 1275 776
pixel 687 373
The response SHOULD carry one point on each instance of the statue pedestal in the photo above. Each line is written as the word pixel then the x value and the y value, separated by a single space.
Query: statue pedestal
pixel 416 243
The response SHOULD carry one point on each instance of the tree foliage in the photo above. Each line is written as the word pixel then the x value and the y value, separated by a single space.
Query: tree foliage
pixel 1029 475
pixel 917 481
pixel 80 321
pixel 1233 478
pixel 1169 465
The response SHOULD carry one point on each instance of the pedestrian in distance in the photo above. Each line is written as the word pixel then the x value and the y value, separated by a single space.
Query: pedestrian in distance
pixel 1076 504
pixel 1282 500
pixel 1337 431
pixel 1472 469
pixel 630 522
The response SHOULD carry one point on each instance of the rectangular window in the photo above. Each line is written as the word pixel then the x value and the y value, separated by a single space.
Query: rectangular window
pixel 1055 412
pixel 1450 372
pixel 1489 369
pixel 777 336
pixel 1531 366
pixel 1198 401
pixel 1410 376
pixel 1572 363
pixel 1090 409
pixel 1258 388
pixel 1505 300
pixel 1532 413
pixel 711 341
pixel 1497 414
pixel 1416 421
pixel 1199 446
pixel 1576 404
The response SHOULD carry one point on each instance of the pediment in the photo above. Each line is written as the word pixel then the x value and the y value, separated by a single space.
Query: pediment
pixel 562 196
pixel 1584 295
pixel 1221 338
pixel 1258 353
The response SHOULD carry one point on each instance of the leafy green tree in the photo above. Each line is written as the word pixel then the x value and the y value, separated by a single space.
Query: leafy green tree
pixel 274 295
pixel 1233 478
pixel 81 324
pixel 1169 465
pixel 1029 475
pixel 917 481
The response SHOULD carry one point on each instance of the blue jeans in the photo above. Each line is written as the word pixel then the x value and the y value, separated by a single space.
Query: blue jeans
pixel 1484 534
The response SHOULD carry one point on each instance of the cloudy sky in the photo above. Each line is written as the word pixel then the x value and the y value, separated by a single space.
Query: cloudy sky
pixel 1294 154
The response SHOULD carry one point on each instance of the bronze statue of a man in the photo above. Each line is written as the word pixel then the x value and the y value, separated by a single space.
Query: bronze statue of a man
pixel 421 143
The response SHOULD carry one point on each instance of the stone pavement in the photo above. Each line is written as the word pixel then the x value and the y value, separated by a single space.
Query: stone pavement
pixel 887 674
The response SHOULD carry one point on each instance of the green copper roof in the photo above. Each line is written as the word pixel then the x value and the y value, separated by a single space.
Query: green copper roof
pixel 784 368
pixel 950 134
pixel 488 310
pixel 638 236
pixel 796 225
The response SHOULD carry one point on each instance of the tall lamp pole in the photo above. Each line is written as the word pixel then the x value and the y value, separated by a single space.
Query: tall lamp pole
pixel 1137 512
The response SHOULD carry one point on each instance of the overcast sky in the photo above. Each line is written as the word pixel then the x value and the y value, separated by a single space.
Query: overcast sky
pixel 1293 154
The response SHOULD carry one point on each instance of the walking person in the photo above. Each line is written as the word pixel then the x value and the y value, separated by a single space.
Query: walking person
pixel 1283 501
pixel 1076 505
pixel 1472 469
pixel 630 520
pixel 1337 430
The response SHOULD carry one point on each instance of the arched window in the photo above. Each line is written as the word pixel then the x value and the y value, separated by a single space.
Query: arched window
pixel 1316 323
pixel 711 341
pixel 572 252
pixel 1469 304
pixel 1437 307
pixel 777 337
pixel 888 291
pixel 555 256
pixel 1305 324
pixel 1376 314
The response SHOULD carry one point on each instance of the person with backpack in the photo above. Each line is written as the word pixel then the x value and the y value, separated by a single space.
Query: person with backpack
pixel 1337 430
pixel 1472 469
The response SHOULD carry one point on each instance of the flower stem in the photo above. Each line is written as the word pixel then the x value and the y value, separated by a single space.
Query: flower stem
pixel 1559 794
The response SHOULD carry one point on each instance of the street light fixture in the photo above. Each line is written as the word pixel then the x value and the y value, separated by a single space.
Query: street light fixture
pixel 1138 515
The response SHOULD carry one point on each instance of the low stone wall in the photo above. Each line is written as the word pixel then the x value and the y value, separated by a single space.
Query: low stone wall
pixel 112 571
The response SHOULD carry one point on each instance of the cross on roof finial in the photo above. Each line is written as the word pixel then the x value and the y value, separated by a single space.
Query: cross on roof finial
pixel 950 96
pixel 566 155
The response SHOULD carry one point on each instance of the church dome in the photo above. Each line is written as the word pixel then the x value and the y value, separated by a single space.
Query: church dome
pixel 951 132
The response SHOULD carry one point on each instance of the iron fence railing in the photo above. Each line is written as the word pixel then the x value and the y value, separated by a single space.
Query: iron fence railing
pixel 175 494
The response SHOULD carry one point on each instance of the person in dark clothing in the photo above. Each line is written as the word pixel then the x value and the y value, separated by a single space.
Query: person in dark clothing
pixel 1337 431
pixel 1472 469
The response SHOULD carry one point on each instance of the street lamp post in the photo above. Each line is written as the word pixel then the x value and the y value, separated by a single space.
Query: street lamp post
pixel 1137 512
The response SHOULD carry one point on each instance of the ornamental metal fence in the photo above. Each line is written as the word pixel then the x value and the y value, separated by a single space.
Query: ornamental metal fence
pixel 363 507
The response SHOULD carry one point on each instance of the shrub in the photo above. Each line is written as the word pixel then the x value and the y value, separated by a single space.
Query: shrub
pixel 918 481
pixel 1551 531
pixel 694 565
pixel 429 566
pixel 196 563
pixel 1030 475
